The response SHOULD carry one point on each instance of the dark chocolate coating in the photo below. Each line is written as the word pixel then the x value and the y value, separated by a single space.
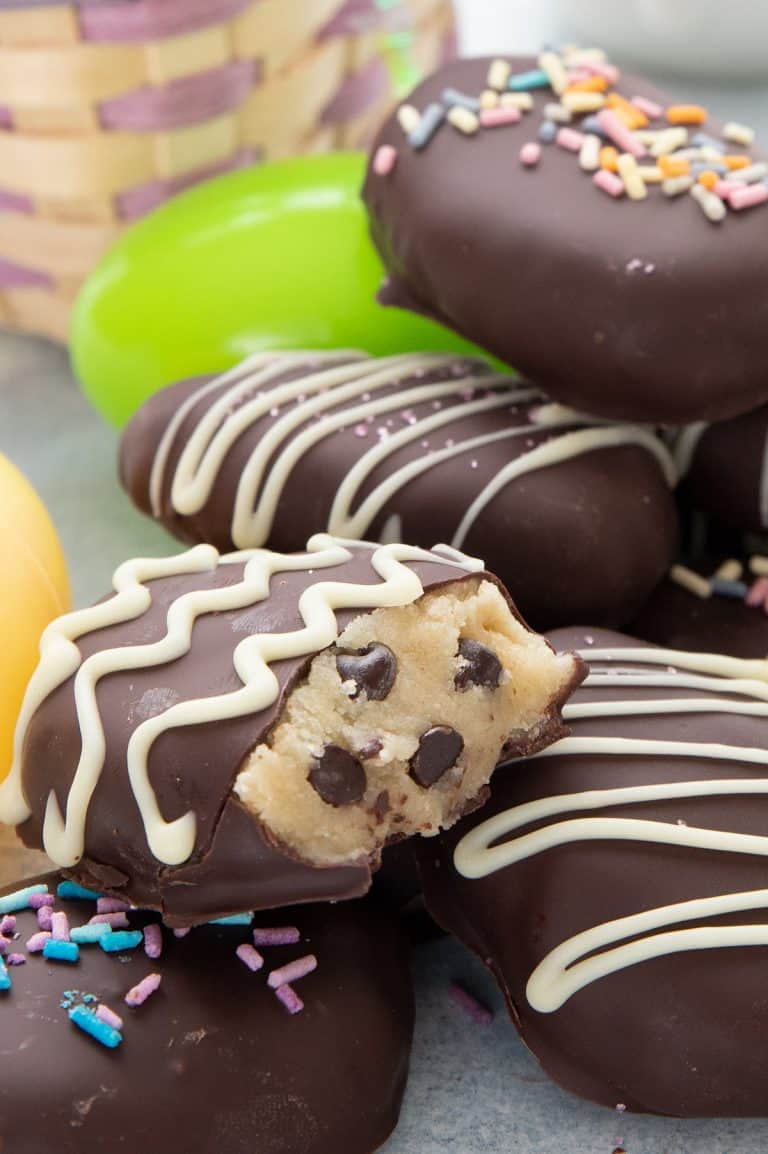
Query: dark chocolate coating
pixel 677 619
pixel 236 864
pixel 682 1034
pixel 212 1061
pixel 543 532
pixel 632 310
pixel 727 477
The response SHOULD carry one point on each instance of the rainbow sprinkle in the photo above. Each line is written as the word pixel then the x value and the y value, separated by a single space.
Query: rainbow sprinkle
pixel 71 891
pixel 729 580
pixel 292 972
pixel 20 899
pixel 120 940
pixel 138 995
pixel 276 936
pixel 58 951
pixel 290 999
pixel 87 1021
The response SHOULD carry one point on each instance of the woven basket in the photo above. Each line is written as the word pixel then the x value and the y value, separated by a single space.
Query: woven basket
pixel 108 107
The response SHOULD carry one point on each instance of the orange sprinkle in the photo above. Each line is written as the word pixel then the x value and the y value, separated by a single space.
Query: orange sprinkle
pixel 734 162
pixel 686 114
pixel 591 84
pixel 609 159
pixel 672 168
pixel 709 179
pixel 627 112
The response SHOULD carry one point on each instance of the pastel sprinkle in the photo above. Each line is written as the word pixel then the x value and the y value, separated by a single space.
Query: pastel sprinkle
pixel 36 943
pixel 498 75
pixel 489 98
pixel 757 593
pixel 40 901
pixel 5 945
pixel 736 589
pixel 290 999
pixel 609 182
pixel 408 118
pixel 89 935
pixel 669 141
pixel 677 185
pixel 250 957
pixel 553 68
pixel 579 102
pixel 686 114
pixel 146 987
pixel 8 924
pixel 557 112
pixel 20 899
pixel 496 117
pixel 691 581
pixel 122 940
pixel 470 1004
pixel 16 960
pixel 462 118
pixel 629 172
pixel 589 156
pixel 60 926
pixel 57 951
pixel 118 920
pixel 71 891
pixel 525 81
pixel 181 931
pixel 530 154
pixel 609 158
pixel 244 919
pixel 569 139
pixel 748 196
pixel 749 175
pixel 626 112
pixel 620 134
pixel 45 918
pixel 731 570
pixel 429 122
pixel 758 564
pixel 112 906
pixel 109 1017
pixel 547 131
pixel 384 160
pixel 592 124
pixel 739 133
pixel 453 98
pixel 5 977
pixel 649 107
pixel 277 936
pixel 292 972
pixel 87 1021
pixel 153 941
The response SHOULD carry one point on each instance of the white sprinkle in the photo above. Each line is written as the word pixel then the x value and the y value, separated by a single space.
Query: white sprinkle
pixel 677 185
pixel 629 171
pixel 521 100
pixel 408 118
pixel 558 112
pixel 489 99
pixel 584 101
pixel 589 157
pixel 739 133
pixel 748 175
pixel 712 206
pixel 669 141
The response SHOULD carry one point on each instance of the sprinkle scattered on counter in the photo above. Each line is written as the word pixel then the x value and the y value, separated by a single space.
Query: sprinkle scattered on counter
pixel 87 1021
pixel 139 993
pixel 471 1006
pixel 292 971
pixel 729 580
pixel 276 936
pixel 626 144
pixel 290 999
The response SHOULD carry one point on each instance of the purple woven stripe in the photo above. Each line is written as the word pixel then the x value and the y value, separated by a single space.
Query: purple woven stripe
pixel 356 16
pixel 17 276
pixel 358 92
pixel 6 117
pixel 136 20
pixel 139 201
pixel 15 202
pixel 187 100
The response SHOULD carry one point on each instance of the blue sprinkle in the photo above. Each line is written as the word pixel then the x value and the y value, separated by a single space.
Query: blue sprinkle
pixel 87 998
pixel 5 977
pixel 121 940
pixel 61 951
pixel 87 1021
pixel 19 900
pixel 527 80
pixel 736 589
pixel 547 131
pixel 452 97
pixel 592 125
pixel 700 166
pixel 703 140
pixel 89 935
pixel 431 119
pixel 71 891
pixel 233 920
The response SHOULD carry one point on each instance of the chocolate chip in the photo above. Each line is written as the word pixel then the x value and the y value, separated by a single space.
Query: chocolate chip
pixel 372 669
pixel 381 806
pixel 439 750
pixel 371 748
pixel 480 666
pixel 338 777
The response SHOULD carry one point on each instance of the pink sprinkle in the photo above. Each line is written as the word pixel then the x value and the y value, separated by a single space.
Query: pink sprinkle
pixel 146 987
pixel 8 924
pixel 620 134
pixel 111 906
pixel 649 107
pixel 361 430
pixel 292 971
pixel 44 918
pixel 384 160
pixel 748 195
pixel 570 139
pixel 279 936
pixel 609 182
pixel 724 188
pixel 37 901
pixel 609 71
pixel 60 927
pixel 181 931
pixel 757 592
pixel 470 1004
pixel 117 921
pixel 4 946
pixel 290 999
pixel 36 943
pixel 530 154
pixel 16 960
pixel 496 117
pixel 250 957
pixel 153 941
pixel 109 1017
pixel 576 75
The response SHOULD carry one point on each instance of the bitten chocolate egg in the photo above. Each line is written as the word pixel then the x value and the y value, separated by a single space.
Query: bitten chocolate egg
pixel 418 447
pixel 237 732
pixel 288 1033
pixel 615 884
pixel 552 210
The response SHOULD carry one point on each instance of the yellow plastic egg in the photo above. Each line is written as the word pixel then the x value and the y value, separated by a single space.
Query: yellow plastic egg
pixel 34 588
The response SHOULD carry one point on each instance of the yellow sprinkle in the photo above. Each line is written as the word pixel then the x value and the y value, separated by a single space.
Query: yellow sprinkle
pixel 551 63
pixel 583 101
pixel 691 581
pixel 651 173
pixel 576 56
pixel 739 133
pixel 758 564
pixel 463 119
pixel 589 155
pixel 408 118
pixel 489 99
pixel 608 158
pixel 669 141
pixel 629 171
pixel 558 112
pixel 498 74
pixel 521 100
pixel 731 570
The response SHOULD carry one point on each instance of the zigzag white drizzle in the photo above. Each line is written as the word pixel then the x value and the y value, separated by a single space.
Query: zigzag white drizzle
pixel 173 842
pixel 316 397
pixel 569 968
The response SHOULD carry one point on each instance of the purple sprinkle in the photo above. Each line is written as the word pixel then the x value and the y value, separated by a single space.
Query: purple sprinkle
pixel 118 921
pixel 8 924
pixel 36 944
pixel 37 901
pixel 278 936
pixel 16 960
pixel 250 957
pixel 292 971
pixel 109 1017
pixel 60 927
pixel 470 1005
pixel 112 906
pixel 146 987
pixel 181 931
pixel 153 941
pixel 290 999
pixel 44 915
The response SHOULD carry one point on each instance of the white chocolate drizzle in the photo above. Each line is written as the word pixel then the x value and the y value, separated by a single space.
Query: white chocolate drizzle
pixel 736 687
pixel 173 842
pixel 316 400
